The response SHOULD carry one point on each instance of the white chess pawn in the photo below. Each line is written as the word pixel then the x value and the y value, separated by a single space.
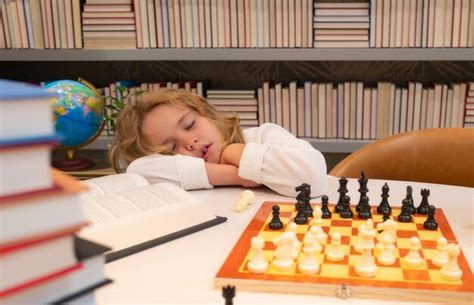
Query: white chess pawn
pixel 366 266
pixel 387 253
pixel 315 246
pixel 319 234
pixel 451 270
pixel 247 198
pixel 258 263
pixel 293 227
pixel 309 264
pixel 283 260
pixel 441 257
pixel 317 216
pixel 413 258
pixel 359 241
pixel 335 253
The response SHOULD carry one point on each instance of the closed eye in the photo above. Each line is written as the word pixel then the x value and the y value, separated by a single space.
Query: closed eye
pixel 190 125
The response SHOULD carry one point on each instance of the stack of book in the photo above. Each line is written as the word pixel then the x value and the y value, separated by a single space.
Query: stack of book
pixel 469 117
pixel 241 103
pixel 341 25
pixel 109 25
pixel 41 260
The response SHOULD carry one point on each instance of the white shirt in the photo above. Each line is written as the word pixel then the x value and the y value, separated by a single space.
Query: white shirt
pixel 272 156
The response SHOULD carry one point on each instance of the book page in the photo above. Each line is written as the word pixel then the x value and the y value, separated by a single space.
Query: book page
pixel 105 208
pixel 112 184
pixel 127 219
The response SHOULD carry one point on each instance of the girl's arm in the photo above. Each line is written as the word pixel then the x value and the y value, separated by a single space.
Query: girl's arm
pixel 274 157
pixel 226 174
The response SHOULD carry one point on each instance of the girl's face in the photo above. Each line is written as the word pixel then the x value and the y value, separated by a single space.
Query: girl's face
pixel 183 132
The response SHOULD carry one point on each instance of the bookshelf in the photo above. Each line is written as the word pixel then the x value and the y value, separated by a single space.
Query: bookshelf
pixel 301 54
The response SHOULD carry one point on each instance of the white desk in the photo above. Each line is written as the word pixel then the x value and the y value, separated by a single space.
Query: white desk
pixel 183 271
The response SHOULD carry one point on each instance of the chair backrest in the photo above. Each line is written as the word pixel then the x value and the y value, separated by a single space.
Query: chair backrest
pixel 443 156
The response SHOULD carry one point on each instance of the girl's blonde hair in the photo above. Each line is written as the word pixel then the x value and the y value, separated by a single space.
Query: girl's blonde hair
pixel 129 142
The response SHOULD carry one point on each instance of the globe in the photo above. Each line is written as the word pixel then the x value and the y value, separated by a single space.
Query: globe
pixel 78 114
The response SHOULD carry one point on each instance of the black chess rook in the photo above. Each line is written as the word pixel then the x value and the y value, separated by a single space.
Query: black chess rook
pixel 228 292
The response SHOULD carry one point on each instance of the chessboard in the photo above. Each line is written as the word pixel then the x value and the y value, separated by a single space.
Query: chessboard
pixel 396 282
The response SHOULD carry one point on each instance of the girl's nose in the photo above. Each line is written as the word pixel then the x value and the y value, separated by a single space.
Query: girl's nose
pixel 192 144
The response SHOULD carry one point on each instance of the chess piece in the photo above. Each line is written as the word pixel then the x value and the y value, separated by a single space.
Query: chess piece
pixel 309 264
pixel 257 263
pixel 384 207
pixel 324 207
pixel 366 266
pixel 293 227
pixel 314 245
pixel 303 199
pixel 409 197
pixel 283 260
pixel 405 213
pixel 342 192
pixel 346 211
pixel 364 209
pixel 451 270
pixel 363 190
pixel 301 217
pixel 385 216
pixel 389 227
pixel 430 222
pixel 424 207
pixel 247 198
pixel 319 234
pixel 335 253
pixel 359 242
pixel 387 252
pixel 275 223
pixel 228 292
pixel 413 258
pixel 317 216
pixel 441 257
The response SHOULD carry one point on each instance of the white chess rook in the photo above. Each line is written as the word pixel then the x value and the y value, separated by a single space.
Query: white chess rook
pixel 258 263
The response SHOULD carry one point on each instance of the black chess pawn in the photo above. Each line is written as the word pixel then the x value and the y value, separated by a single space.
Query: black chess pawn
pixel 363 190
pixel 346 211
pixel 405 214
pixel 342 192
pixel 424 207
pixel 275 223
pixel 409 197
pixel 324 207
pixel 364 211
pixel 384 207
pixel 430 222
pixel 301 217
pixel 386 216
pixel 228 292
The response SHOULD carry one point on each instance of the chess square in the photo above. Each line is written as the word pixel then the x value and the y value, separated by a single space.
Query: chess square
pixel 334 270
pixel 419 218
pixel 357 223
pixel 344 231
pixel 403 243
pixel 429 235
pixel 407 234
pixel 428 244
pixel 406 226
pixel 419 275
pixel 389 273
pixel 404 264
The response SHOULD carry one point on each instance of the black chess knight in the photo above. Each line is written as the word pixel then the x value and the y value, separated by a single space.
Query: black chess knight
pixel 303 199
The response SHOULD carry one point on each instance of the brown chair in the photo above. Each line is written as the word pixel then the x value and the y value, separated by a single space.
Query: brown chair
pixel 444 156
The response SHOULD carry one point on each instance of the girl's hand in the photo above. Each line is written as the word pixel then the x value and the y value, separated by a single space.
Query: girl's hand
pixel 248 183
pixel 232 154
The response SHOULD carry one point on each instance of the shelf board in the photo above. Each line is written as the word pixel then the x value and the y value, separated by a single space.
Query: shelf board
pixel 307 54
pixel 323 145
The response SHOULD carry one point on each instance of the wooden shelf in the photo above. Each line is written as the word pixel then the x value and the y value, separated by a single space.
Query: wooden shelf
pixel 307 54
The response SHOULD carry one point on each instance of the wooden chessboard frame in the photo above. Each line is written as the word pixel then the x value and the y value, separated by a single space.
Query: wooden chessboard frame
pixel 235 272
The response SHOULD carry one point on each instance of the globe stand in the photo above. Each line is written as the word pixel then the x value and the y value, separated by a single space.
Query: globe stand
pixel 73 164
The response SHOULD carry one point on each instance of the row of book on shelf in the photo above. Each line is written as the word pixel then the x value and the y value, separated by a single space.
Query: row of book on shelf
pixel 129 24
pixel 347 110
pixel 42 260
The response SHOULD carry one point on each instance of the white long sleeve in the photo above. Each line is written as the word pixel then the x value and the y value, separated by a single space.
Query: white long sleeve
pixel 274 157
pixel 187 172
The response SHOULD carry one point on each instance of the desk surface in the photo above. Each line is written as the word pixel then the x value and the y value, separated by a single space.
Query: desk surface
pixel 183 271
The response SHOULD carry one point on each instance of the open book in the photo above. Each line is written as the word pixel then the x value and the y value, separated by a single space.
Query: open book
pixel 129 215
